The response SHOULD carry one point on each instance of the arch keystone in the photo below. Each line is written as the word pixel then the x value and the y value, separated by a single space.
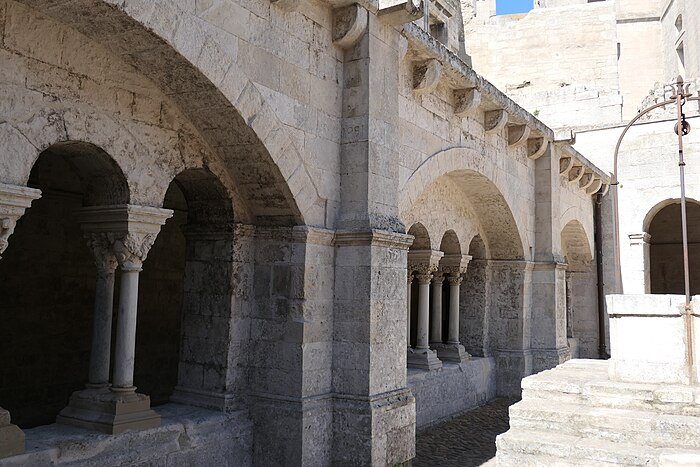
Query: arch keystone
pixel 536 147
pixel 426 76
pixel 518 135
pixel 466 101
pixel 495 120
pixel 349 23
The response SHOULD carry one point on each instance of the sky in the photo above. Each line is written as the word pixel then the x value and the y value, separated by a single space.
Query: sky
pixel 506 7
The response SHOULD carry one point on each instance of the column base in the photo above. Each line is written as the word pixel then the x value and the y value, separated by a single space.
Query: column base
pixel 11 437
pixel 546 359
pixel 109 412
pixel 425 359
pixel 223 401
pixel 454 353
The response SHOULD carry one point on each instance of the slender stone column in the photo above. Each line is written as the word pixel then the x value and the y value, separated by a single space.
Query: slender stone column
pixel 106 263
pixel 408 309
pixel 453 334
pixel 14 200
pixel 636 276
pixel 422 323
pixel 130 262
pixel 436 310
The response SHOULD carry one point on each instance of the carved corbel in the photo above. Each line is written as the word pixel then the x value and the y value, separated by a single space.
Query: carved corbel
pixel 565 164
pixel 466 101
pixel 576 173
pixel 287 5
pixel 14 200
pixel 401 13
pixel 495 120
pixel 349 24
pixel 518 135
pixel 595 186
pixel 536 147
pixel 426 76
pixel 604 189
pixel 586 180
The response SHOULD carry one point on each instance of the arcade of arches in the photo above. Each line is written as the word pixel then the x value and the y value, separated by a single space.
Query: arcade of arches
pixel 216 253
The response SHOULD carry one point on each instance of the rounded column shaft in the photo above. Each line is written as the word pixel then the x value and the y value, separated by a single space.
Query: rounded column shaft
pixel 125 346
pixel 408 309
pixel 98 375
pixel 436 311
pixel 453 337
pixel 422 322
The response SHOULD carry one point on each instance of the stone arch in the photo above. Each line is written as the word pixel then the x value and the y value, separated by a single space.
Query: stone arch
pixel 47 281
pixel 664 255
pixel 484 187
pixel 581 280
pixel 421 240
pixel 450 243
pixel 195 69
pixel 576 247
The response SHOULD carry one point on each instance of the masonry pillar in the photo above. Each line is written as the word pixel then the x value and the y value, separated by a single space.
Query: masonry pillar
pixel 509 323
pixel 374 411
pixel 549 343
pixel 425 262
pixel 130 231
pixel 14 200
pixel 637 276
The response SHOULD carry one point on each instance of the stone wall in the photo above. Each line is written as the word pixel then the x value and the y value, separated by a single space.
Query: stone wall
pixel 452 389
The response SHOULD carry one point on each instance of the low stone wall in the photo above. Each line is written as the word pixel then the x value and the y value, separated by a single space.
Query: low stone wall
pixel 454 388
pixel 188 436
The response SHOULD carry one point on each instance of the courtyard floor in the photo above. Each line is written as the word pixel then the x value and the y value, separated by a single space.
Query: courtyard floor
pixel 466 440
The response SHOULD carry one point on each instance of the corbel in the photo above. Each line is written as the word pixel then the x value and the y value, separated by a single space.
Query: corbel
pixel 536 147
pixel 466 101
pixel 586 180
pixel 565 165
pixel 349 24
pixel 595 186
pixel 426 76
pixel 495 120
pixel 576 173
pixel 517 135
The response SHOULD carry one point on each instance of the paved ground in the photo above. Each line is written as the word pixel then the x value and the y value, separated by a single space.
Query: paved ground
pixel 464 441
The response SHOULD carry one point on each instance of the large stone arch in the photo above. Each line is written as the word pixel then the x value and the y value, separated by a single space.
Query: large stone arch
pixel 197 70
pixel 486 188
pixel 576 246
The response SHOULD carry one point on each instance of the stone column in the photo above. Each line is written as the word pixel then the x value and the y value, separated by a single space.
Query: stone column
pixel 14 200
pixel 106 263
pixel 425 263
pixel 130 232
pixel 454 266
pixel 409 284
pixel 436 310
pixel 636 277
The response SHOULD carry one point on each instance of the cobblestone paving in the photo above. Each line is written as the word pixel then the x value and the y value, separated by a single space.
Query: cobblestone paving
pixel 464 441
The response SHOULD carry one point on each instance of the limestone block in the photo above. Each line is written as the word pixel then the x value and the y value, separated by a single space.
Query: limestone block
pixel 349 24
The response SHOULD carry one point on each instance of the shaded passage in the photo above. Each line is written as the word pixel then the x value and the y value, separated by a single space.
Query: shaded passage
pixel 466 440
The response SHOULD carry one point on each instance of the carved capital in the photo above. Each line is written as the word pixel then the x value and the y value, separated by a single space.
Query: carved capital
pixel 466 101
pixel 423 279
pixel 438 278
pixel 536 148
pixel 426 76
pixel 454 280
pixel 518 135
pixel 14 200
pixel 424 261
pixel 101 245
pixel 495 120
pixel 455 264
pixel 132 249
pixel 349 24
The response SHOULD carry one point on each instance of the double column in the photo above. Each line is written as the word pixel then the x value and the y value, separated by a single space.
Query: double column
pixel 424 263
pixel 452 267
pixel 118 235
pixel 14 200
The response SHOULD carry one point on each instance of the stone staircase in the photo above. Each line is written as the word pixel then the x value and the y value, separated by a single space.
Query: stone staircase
pixel 574 415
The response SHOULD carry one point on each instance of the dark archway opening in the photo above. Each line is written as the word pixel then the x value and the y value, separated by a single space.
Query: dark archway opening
pixel 666 250
pixel 47 283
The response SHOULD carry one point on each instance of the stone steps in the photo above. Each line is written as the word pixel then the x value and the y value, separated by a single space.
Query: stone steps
pixel 574 415
pixel 611 424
